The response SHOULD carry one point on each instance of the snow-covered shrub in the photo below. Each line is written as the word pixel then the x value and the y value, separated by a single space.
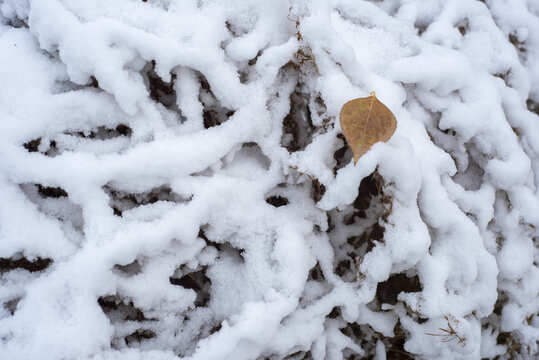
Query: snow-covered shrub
pixel 174 181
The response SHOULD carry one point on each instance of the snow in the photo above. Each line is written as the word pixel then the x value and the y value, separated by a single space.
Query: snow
pixel 174 182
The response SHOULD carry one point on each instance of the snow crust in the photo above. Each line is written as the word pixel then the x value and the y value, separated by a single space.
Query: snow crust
pixel 174 182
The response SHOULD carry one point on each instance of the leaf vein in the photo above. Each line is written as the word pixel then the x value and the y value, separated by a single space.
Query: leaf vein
pixel 368 117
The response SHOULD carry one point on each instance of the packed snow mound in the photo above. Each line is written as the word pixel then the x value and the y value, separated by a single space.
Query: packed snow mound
pixel 174 182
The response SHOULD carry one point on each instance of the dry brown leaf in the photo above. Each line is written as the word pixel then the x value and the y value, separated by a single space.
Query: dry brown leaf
pixel 364 122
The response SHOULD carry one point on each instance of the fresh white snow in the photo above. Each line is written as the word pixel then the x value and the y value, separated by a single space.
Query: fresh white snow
pixel 174 182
